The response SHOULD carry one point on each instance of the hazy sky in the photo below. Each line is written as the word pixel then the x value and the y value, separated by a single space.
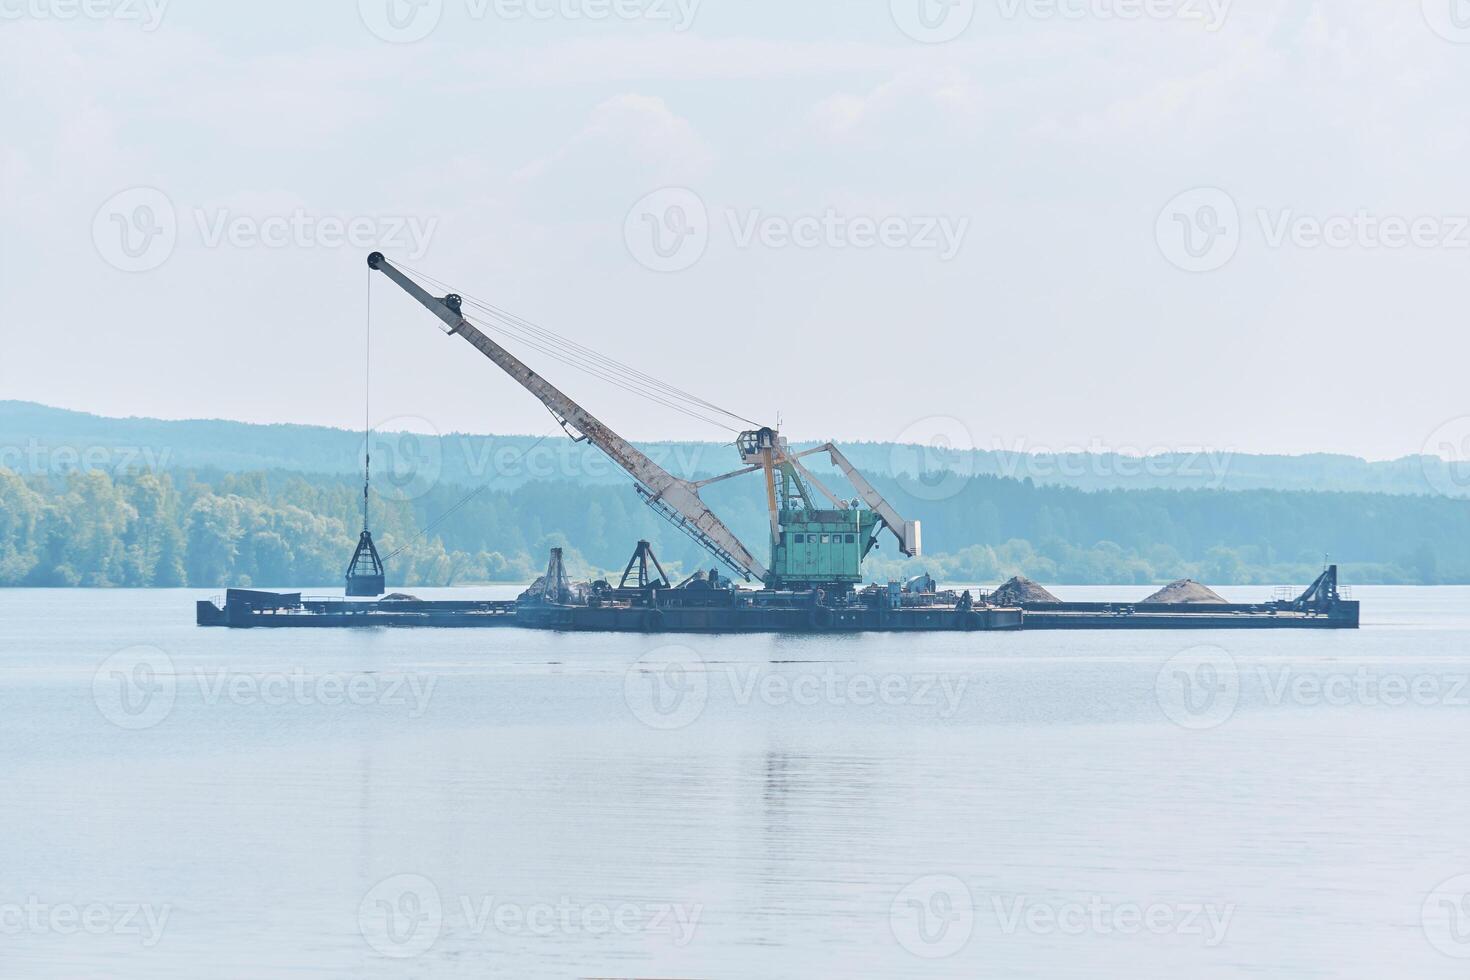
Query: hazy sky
pixel 1034 224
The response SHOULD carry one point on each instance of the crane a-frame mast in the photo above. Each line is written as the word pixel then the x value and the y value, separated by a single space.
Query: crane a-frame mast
pixel 677 499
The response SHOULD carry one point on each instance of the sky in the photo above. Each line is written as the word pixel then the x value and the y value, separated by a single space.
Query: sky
pixel 1046 225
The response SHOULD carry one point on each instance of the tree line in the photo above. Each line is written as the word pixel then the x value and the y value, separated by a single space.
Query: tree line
pixel 274 528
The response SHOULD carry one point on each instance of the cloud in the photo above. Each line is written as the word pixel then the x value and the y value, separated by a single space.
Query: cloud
pixel 85 86
pixel 629 128
pixel 686 57
pixel 951 95
pixel 1314 70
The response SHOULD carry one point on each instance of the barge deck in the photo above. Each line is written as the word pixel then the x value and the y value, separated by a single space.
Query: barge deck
pixel 246 609
pixel 728 611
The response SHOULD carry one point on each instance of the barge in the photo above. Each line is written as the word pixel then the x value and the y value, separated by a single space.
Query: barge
pixel 705 604
pixel 818 540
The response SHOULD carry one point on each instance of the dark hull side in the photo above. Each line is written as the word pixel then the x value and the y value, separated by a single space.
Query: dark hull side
pixel 585 619
pixel 571 619
pixel 1340 614
pixel 338 614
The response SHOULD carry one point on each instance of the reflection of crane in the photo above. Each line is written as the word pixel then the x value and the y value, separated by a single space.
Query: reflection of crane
pixel 810 547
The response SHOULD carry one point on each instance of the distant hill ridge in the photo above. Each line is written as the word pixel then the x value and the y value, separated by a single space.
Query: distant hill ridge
pixel 279 505
pixel 39 438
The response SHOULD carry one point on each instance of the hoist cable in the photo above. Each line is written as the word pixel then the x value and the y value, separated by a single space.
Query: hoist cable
pixel 578 355
pixel 597 373
pixel 573 346
pixel 367 403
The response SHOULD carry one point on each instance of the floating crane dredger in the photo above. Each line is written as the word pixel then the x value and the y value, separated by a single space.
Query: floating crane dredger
pixel 818 541
pixel 811 547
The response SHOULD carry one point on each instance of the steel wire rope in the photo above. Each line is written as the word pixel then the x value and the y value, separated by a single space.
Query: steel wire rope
pixel 597 373
pixel 579 353
pixel 551 336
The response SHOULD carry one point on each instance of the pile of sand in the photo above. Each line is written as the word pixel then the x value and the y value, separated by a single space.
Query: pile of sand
pixel 1185 592
pixel 1020 591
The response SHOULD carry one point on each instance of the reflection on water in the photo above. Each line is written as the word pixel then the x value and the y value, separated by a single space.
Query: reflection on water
pixel 503 803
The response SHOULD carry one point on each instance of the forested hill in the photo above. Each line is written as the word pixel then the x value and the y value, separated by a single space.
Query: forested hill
pixel 36 438
pixel 90 502
pixel 286 529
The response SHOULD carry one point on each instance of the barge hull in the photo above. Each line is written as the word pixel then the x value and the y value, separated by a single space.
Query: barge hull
pixel 574 619
pixel 248 610
pixel 253 611
pixel 1342 614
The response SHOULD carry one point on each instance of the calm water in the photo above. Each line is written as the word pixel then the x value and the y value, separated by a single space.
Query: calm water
pixel 182 802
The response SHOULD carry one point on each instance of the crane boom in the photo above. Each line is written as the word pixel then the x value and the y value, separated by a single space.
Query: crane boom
pixel 677 499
